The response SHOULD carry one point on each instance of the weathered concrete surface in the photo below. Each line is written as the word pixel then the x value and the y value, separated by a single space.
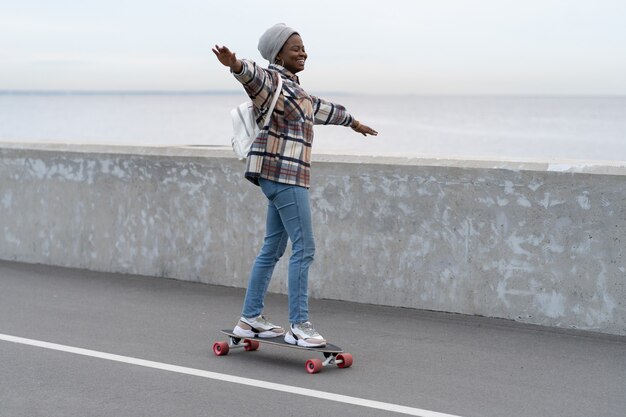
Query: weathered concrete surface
pixel 533 242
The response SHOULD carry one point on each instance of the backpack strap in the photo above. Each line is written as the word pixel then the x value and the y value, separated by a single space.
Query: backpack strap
pixel 266 121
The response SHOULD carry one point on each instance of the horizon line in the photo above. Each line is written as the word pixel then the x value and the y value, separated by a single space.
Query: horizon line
pixel 240 92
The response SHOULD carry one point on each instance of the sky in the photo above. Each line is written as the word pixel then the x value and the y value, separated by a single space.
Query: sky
pixel 571 47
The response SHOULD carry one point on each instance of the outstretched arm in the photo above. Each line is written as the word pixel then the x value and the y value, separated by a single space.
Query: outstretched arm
pixel 228 58
pixel 259 83
pixel 327 113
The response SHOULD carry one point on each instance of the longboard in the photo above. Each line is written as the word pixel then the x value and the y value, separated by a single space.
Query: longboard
pixel 333 354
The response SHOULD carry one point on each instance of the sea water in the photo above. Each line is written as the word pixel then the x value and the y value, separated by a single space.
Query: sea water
pixel 473 127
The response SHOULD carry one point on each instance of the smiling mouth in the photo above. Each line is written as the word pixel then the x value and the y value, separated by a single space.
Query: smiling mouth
pixel 300 61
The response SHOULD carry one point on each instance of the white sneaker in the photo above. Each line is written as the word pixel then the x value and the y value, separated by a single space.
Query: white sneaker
pixel 257 327
pixel 305 335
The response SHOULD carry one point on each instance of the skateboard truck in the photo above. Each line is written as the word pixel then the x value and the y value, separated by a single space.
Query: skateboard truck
pixel 342 360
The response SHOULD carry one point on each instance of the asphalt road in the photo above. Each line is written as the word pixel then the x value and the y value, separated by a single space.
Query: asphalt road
pixel 426 362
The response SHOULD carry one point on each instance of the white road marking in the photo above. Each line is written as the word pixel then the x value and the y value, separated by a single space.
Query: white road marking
pixel 228 378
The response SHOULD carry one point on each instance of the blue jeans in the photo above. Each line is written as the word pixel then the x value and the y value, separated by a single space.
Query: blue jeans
pixel 288 217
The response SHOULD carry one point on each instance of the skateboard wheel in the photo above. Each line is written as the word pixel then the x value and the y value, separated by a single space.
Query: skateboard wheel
pixel 250 345
pixel 313 366
pixel 346 360
pixel 220 348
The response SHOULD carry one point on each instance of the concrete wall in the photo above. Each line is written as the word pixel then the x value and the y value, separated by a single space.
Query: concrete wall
pixel 533 242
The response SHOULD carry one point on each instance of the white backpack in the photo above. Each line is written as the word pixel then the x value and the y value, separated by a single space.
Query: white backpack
pixel 245 129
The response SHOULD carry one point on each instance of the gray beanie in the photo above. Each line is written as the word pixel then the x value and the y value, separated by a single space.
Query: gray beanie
pixel 272 41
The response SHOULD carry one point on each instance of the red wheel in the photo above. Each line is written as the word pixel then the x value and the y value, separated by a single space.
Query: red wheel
pixel 346 360
pixel 250 345
pixel 313 366
pixel 220 348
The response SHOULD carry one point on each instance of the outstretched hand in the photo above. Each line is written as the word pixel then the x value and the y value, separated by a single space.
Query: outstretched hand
pixel 363 129
pixel 227 58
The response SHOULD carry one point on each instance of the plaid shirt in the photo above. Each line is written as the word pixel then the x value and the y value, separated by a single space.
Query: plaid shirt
pixel 282 152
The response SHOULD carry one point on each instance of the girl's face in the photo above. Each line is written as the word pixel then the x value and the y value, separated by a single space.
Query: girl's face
pixel 293 54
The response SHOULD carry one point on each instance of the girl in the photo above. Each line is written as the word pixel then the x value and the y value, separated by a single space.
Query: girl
pixel 279 162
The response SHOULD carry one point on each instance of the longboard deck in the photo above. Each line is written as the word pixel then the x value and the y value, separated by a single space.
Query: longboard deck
pixel 280 341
